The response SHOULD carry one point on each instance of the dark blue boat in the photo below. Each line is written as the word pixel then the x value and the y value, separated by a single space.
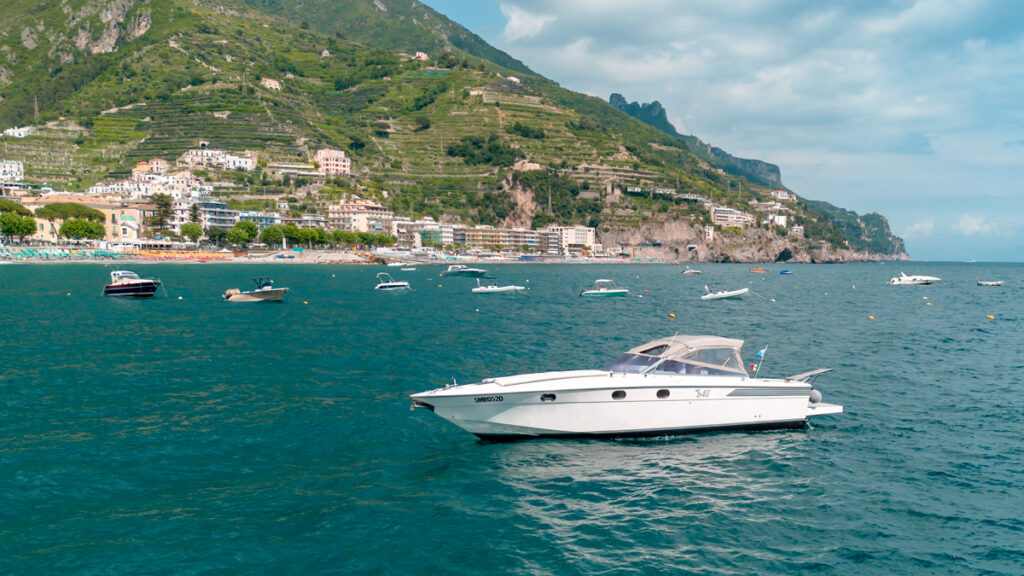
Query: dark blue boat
pixel 126 283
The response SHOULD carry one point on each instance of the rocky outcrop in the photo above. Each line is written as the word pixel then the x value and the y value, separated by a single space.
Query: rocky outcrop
pixel 107 42
pixel 140 24
pixel 678 240
pixel 28 38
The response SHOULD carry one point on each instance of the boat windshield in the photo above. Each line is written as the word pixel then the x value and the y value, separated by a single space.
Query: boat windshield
pixel 665 359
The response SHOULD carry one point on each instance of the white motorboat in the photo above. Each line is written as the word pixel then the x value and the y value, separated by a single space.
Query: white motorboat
pixel 604 288
pixel 912 280
pixel 493 288
pixel 722 294
pixel 386 282
pixel 264 292
pixel 128 283
pixel 463 270
pixel 691 272
pixel 676 385
pixel 989 282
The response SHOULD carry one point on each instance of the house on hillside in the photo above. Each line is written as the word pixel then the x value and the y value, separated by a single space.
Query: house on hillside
pixel 270 84
pixel 12 171
pixel 17 132
pixel 333 162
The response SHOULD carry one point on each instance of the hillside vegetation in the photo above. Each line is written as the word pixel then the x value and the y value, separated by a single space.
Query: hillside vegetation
pixel 108 83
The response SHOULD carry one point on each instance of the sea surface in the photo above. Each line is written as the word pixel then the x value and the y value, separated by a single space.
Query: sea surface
pixel 187 435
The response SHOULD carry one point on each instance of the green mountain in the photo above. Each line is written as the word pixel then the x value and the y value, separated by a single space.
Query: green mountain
pixel 107 83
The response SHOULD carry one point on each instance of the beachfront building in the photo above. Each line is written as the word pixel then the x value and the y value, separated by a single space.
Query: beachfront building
pixel 212 213
pixel 360 215
pixel 12 171
pixel 424 231
pixel 121 220
pixel 333 162
pixel 486 237
pixel 261 219
pixel 574 238
pixel 730 218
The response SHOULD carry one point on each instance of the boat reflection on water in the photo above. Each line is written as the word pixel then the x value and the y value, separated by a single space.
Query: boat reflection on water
pixel 665 501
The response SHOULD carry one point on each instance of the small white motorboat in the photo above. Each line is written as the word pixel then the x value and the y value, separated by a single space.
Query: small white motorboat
pixel 913 280
pixel 463 270
pixel 691 272
pixel 386 282
pixel 989 282
pixel 604 288
pixel 676 385
pixel 493 288
pixel 723 294
pixel 264 292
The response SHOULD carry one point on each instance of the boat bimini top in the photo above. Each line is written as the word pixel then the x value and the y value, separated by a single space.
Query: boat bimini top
pixel 701 355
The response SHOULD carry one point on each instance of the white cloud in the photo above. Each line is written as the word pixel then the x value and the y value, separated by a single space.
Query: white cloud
pixel 918 230
pixel 969 225
pixel 521 24
pixel 892 107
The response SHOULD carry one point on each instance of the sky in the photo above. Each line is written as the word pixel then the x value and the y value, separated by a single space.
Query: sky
pixel 910 108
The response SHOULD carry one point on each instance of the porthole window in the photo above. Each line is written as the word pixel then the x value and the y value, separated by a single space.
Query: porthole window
pixel 547 397
pixel 619 394
pixel 663 393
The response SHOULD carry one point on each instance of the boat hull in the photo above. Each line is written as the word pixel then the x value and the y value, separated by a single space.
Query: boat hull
pixel 465 273
pixel 594 407
pixel 274 295
pixel 393 286
pixel 603 293
pixel 135 290
pixel 725 295
pixel 497 289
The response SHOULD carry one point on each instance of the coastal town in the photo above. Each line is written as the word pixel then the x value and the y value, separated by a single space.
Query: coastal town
pixel 136 223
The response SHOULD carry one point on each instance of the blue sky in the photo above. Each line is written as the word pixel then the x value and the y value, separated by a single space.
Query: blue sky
pixel 913 109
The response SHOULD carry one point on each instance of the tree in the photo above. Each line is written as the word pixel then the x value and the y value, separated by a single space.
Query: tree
pixel 11 206
pixel 68 210
pixel 79 228
pixel 346 237
pixel 216 234
pixel 291 232
pixel 193 213
pixel 243 233
pixel 17 226
pixel 162 215
pixel 192 231
pixel 272 235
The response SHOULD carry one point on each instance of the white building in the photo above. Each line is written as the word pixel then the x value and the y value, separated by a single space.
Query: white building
pixel 730 218
pixel 18 132
pixel 797 230
pixel 781 195
pixel 12 171
pixel 360 215
pixel 212 213
pixel 574 237
pixel 270 84
pixel 777 219
pixel 212 158
pixel 333 162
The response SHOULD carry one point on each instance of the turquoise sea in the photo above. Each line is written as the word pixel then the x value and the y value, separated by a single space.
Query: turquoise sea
pixel 187 435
